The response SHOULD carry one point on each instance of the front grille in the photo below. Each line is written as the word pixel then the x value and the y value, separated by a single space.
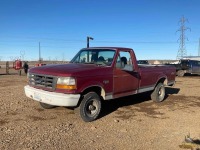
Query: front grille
pixel 42 81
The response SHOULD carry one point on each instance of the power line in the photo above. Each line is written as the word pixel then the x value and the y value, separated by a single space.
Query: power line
pixel 45 38
pixel 182 36
pixel 133 42
pixel 108 41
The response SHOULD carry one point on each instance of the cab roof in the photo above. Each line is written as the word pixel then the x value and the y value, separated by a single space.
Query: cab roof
pixel 113 48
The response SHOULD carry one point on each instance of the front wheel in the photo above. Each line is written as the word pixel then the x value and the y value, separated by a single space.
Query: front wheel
pixel 90 107
pixel 158 94
pixel 46 106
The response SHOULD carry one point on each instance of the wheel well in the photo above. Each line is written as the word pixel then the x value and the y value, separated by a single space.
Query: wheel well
pixel 162 80
pixel 100 91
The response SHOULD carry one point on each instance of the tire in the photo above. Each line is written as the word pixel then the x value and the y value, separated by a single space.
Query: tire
pixel 180 73
pixel 46 106
pixel 90 107
pixel 158 94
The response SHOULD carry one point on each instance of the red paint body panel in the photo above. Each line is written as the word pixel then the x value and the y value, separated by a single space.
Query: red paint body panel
pixel 151 74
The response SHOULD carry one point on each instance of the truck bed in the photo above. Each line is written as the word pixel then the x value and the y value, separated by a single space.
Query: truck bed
pixel 150 73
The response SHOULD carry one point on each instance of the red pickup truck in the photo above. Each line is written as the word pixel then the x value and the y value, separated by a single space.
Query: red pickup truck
pixel 96 74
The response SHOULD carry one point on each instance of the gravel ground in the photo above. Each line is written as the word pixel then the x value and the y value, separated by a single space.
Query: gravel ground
pixel 131 123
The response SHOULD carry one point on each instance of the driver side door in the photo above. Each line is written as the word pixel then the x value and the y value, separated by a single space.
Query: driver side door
pixel 126 81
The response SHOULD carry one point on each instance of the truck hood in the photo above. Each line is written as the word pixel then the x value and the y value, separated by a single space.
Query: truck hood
pixel 72 69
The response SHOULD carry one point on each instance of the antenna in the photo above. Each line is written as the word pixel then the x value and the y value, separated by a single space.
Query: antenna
pixel 182 51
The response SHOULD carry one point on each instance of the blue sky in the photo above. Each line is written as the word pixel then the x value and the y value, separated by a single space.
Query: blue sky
pixel 61 27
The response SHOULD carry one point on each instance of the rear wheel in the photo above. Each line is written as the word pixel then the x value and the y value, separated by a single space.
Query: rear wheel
pixel 180 73
pixel 90 107
pixel 158 94
pixel 46 106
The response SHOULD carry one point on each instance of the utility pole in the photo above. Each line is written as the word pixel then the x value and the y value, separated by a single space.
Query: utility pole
pixel 88 41
pixel 182 51
pixel 39 54
pixel 199 48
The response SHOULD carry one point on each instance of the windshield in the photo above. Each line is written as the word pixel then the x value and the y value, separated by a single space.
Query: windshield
pixel 95 56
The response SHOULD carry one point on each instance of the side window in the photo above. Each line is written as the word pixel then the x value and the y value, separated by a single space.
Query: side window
pixel 124 61
pixel 194 63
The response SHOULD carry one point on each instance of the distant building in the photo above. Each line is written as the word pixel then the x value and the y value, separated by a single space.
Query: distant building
pixel 156 62
pixel 192 57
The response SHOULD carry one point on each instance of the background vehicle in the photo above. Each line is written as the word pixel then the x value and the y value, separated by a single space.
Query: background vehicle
pixel 94 75
pixel 187 66
pixel 143 62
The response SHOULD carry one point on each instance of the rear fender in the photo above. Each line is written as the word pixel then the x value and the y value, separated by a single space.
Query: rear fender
pixel 162 79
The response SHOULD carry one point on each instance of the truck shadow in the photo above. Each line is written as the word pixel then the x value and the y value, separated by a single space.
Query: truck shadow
pixel 170 91
pixel 191 75
pixel 112 105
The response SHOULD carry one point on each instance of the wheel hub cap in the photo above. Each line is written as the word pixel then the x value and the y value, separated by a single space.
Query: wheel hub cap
pixel 91 107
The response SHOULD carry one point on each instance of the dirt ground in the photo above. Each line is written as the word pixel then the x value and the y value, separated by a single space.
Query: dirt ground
pixel 130 123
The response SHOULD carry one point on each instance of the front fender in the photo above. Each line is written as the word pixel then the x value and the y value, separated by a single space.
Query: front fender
pixel 90 84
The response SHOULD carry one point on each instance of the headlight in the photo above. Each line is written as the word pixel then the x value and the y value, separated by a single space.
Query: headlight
pixel 68 83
